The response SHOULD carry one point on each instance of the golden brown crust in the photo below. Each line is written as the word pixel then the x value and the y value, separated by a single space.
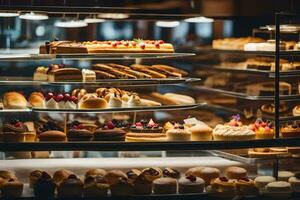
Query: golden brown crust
pixel 163 99
pixel 79 93
pixel 37 99
pixel 95 172
pixel 61 175
pixel 118 73
pixel 104 75
pixel 52 136
pixel 171 69
pixel 145 69
pixel 14 100
pixel 157 68
pixel 92 101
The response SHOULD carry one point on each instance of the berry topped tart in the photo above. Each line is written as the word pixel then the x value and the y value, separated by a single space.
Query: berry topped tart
pixel 263 129
pixel 291 130
pixel 111 131
pixel 78 132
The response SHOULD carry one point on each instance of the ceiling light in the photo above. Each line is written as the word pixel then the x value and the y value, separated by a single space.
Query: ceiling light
pixel 33 16
pixel 9 14
pixel 113 16
pixel 199 20
pixel 71 24
pixel 93 20
pixel 167 24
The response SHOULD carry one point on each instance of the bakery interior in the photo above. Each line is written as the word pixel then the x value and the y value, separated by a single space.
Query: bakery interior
pixel 182 99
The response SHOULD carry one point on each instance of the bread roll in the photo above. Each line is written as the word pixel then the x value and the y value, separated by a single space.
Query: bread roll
pixel 14 100
pixel 91 101
pixel 37 100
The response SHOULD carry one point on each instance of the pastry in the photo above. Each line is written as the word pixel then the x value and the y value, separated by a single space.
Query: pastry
pixel 172 173
pixel 245 187
pixel 109 132
pixel 223 188
pixel 151 173
pixel 51 131
pixel 190 184
pixel 12 189
pixel 178 133
pixel 95 186
pixel 14 100
pixel 71 187
pixel 77 132
pixel 133 101
pixel 30 134
pixel 265 152
pixel 268 46
pixel 41 74
pixel 128 70
pixel 113 176
pixel 206 173
pixel 51 47
pixel 133 174
pixel 296 110
pixel 285 175
pixel 95 172
pixel 295 182
pixel 279 189
pixel 263 130
pixel 65 74
pixel 235 173
pixel 37 100
pixel 14 131
pixel 268 89
pixel 79 93
pixel 44 186
pixel 61 175
pixel 168 73
pixel 116 72
pixel 201 132
pixel 7 175
pixel 145 132
pixel 88 75
pixel 100 75
pixel 291 130
pixel 147 102
pixel 142 186
pixel 234 43
pixel 34 176
pixel 114 101
pixel 261 181
pixel 122 187
pixel 145 69
pixel 165 186
pixel 92 101
pixel 270 108
pixel 171 69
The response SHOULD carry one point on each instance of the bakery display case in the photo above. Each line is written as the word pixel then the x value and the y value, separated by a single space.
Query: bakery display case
pixel 96 113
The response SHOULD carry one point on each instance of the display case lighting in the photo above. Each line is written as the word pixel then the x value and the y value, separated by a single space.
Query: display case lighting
pixel 9 14
pixel 93 19
pixel 33 16
pixel 71 24
pixel 199 20
pixel 113 16
pixel 167 24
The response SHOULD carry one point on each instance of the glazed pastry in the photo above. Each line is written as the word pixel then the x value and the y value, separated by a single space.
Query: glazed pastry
pixel 291 130
pixel 171 173
pixel 145 132
pixel 285 175
pixel 295 182
pixel 113 176
pixel 88 75
pixel 122 187
pixel 14 100
pixel 34 176
pixel 246 187
pixel 261 181
pixel 168 73
pixel 44 186
pixel 37 100
pixel 41 74
pixel 235 173
pixel 223 187
pixel 95 186
pixel 92 101
pixel 109 132
pixel 133 174
pixel 190 184
pixel 296 110
pixel 14 131
pixel 201 132
pixel 61 175
pixel 71 187
pixel 95 172
pixel 77 132
pixel 142 186
pixel 165 186
pixel 12 189
pixel 64 74
pixel 152 173
pixel 279 189
pixel 178 133
pixel 79 93
pixel 128 70
pixel 206 173
pixel 133 101
pixel 263 130
pixel 171 69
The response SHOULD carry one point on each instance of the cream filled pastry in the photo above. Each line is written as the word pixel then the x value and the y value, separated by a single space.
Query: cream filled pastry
pixel 114 101
pixel 133 101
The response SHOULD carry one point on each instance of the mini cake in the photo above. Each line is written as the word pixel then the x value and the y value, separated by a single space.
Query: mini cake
pixel 61 175
pixel 34 176
pixel 279 189
pixel 270 108
pixel 285 175
pixel 165 186
pixel 206 173
pixel 30 134
pixel 51 131
pixel 246 187
pixel 12 189
pixel 235 173
pixel 70 187
pixel 64 74
pixel 122 187
pixel 178 133
pixel 145 132
pixel 172 173
pixel 110 132
pixel 77 132
pixel 296 111
pixel 190 184
pixel 41 74
pixel 201 132
pixel 263 130
pixel 14 131
pixel 295 182
pixel 152 173
pixel 291 130
pixel 223 188
pixel 261 181
pixel 88 75
pixel 113 176
pixel 95 186
pixel 44 186
pixel 141 185
pixel 61 101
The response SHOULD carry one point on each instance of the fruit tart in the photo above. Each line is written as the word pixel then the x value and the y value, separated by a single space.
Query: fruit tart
pixel 263 129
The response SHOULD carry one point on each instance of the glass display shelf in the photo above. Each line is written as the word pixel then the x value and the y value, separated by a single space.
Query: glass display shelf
pixel 105 82
pixel 292 97
pixel 92 56
pixel 146 146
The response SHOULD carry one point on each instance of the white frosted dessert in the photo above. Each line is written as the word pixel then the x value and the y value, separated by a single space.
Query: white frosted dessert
pixel 114 102
pixel 229 133
pixel 52 104
pixel 88 75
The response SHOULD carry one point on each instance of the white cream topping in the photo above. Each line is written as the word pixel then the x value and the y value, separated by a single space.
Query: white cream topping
pixel 52 104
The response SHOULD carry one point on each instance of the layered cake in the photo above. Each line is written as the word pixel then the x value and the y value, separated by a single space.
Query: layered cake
pixel 234 43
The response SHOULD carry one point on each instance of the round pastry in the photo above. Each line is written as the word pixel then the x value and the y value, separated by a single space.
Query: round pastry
pixel 201 132
pixel 142 186
pixel 279 189
pixel 71 187
pixel 285 175
pixel 95 172
pixel 296 111
pixel 14 131
pixel 14 100
pixel 44 186
pixel 295 182
pixel 122 187
pixel 7 175
pixel 152 173
pixel 37 100
pixel 190 184
pixel 95 186
pixel 52 136
pixel 33 177
pixel 223 188
pixel 165 186
pixel 79 93
pixel 246 187
pixel 77 132
pixel 114 175
pixel 12 189
pixel 145 132
pixel 235 173
pixel 263 130
pixel 133 174
pixel 61 175
pixel 172 173
pixel 178 133
pixel 291 130
pixel 206 173
pixel 114 134
pixel 92 101
pixel 261 181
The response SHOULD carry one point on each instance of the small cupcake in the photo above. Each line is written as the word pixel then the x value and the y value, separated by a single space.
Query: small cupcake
pixel 122 187
pixel 235 173
pixel 34 176
pixel 77 132
pixel 71 187
pixel 201 132
pixel 44 186
pixel 190 184
pixel 61 175
pixel 279 190
pixel 113 176
pixel 95 186
pixel 178 133
pixel 142 186
pixel 165 186
pixel 261 181
pixel 262 129
pixel 12 189
pixel 206 173
pixel 152 173
pixel 171 173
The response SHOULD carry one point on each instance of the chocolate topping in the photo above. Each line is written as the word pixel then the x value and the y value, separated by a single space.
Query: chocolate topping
pixel 169 172
pixel 191 178
pixel 151 171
